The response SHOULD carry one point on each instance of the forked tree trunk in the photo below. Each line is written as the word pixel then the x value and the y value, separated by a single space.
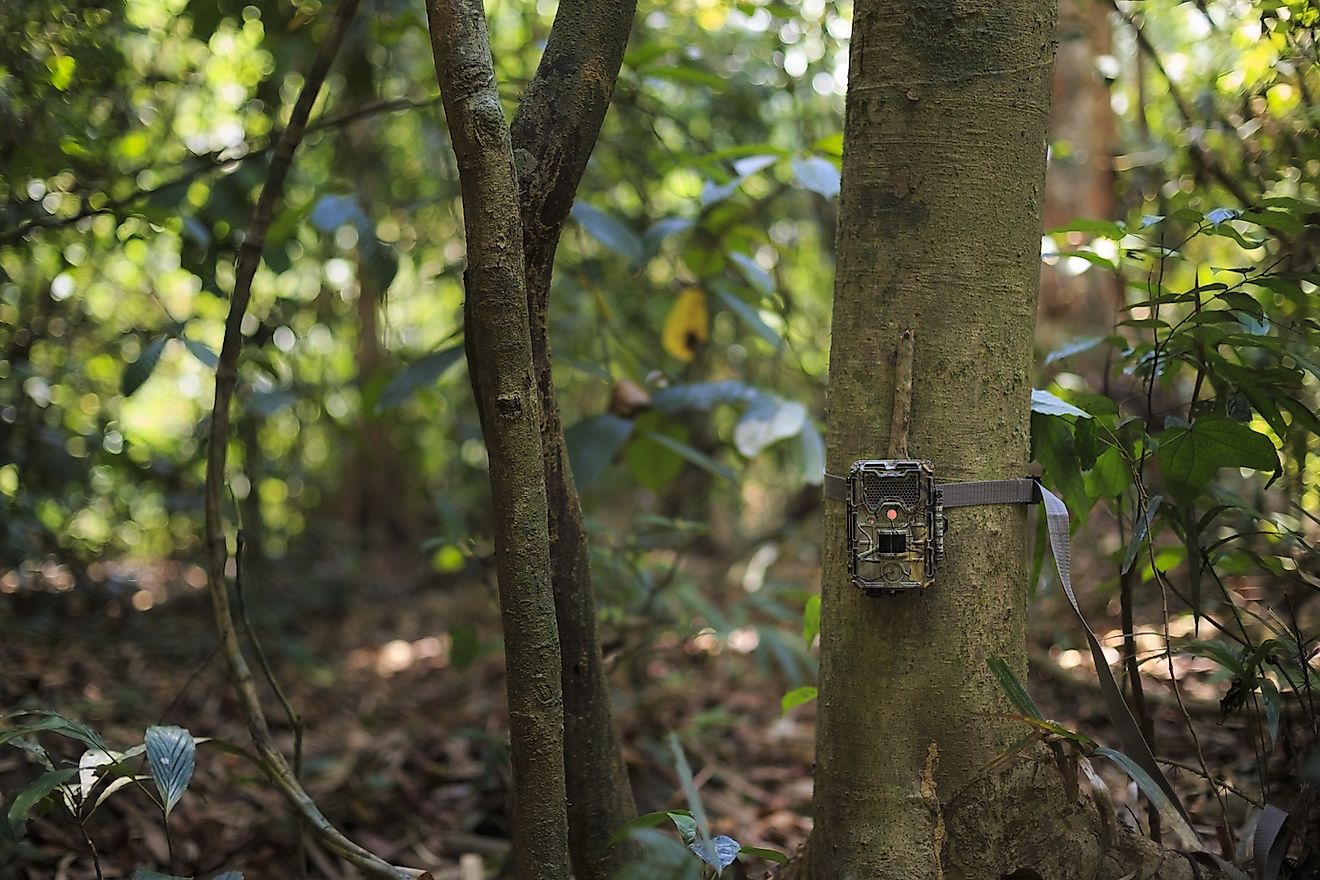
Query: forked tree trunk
pixel 939 232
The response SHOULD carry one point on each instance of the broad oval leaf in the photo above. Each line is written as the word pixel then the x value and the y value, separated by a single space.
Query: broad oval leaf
pixel 333 211
pixel 418 375
pixel 767 421
pixel 1047 404
pixel 811 619
pixel 748 315
pixel 592 445
pixel 609 231
pixel 718 852
pixel 170 755
pixel 1190 457
pixel 797 697
pixel 817 174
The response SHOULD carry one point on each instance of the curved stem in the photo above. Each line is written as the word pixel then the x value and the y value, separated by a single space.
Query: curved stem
pixel 249 257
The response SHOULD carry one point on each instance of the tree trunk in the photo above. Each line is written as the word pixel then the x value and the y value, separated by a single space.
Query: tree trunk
pixel 939 232
pixel 499 351
pixel 553 134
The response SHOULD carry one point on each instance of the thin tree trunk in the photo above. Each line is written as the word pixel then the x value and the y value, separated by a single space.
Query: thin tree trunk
pixel 499 350
pixel 939 232
pixel 553 133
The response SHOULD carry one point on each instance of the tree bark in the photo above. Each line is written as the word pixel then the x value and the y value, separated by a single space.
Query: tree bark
pixel 553 133
pixel 498 344
pixel 939 232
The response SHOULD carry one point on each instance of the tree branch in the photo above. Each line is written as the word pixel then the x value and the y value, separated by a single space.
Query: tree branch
pixel 209 163
pixel 249 256
pixel 498 343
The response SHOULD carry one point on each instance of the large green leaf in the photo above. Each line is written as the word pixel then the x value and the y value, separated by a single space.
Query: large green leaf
pixel 797 697
pixel 817 174
pixel 1190 457
pixel 170 755
pixel 420 374
pixel 1047 404
pixel 609 231
pixel 592 445
pixel 39 790
pixel 36 721
pixel 749 316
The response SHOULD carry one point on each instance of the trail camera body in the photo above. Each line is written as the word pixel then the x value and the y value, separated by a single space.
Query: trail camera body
pixel 895 525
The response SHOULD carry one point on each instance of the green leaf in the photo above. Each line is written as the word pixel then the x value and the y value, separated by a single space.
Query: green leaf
pixel 1077 346
pixel 146 874
pixel 1189 458
pixel 1273 707
pixel 170 754
pixel 29 797
pixel 760 852
pixel 811 619
pixel 767 421
pixel 686 825
pixel 817 174
pixel 749 165
pixel 1017 694
pixel 718 852
pixel 1139 532
pixel 1047 404
pixel 464 645
pixel 420 374
pixel 229 875
pixel 593 443
pixel 36 721
pixel 202 352
pixel 811 454
pixel 651 463
pixel 646 820
pixel 797 697
pixel 749 316
pixel 755 275
pixel 608 231
pixel 138 372
pixel 334 211
pixel 1155 794
pixel 692 456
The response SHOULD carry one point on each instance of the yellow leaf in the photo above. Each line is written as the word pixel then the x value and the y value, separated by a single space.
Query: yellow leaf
pixel 687 326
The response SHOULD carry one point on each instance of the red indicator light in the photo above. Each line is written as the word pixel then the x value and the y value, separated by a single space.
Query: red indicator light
pixel 891 513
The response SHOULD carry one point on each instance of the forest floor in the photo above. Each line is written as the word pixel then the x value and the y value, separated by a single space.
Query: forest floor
pixel 399 680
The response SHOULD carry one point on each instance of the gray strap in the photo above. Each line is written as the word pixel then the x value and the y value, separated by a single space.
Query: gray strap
pixel 1021 491
pixel 988 492
pixel 1129 734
